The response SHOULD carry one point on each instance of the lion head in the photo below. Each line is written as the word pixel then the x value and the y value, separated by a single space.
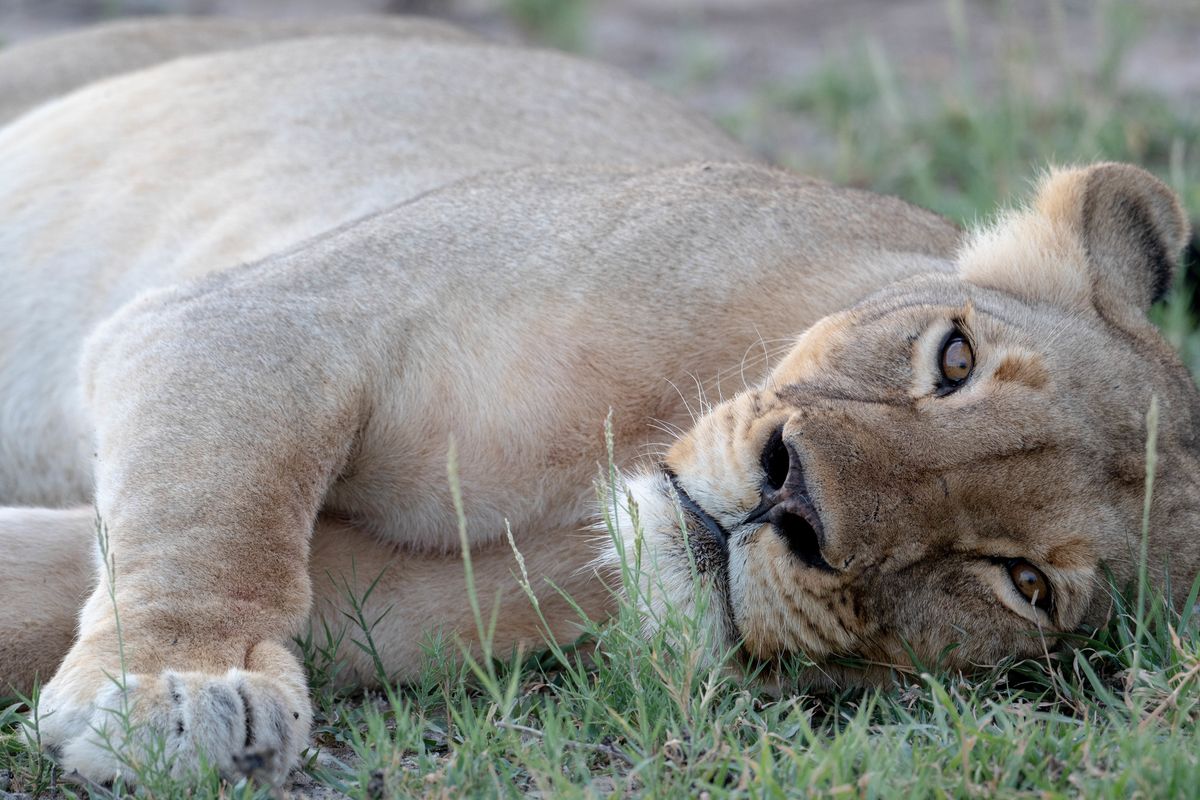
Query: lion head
pixel 950 468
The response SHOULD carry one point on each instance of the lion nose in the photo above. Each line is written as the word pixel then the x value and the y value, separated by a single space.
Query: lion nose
pixel 786 505
pixel 776 461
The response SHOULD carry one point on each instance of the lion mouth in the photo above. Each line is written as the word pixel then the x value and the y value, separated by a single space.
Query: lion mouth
pixel 789 510
pixel 708 550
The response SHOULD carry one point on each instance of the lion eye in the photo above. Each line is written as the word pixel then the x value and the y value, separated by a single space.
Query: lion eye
pixel 1031 582
pixel 957 360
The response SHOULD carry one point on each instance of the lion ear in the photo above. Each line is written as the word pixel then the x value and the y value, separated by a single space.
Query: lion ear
pixel 1100 234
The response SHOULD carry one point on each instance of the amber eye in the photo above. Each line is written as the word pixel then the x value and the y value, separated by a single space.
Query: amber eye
pixel 957 360
pixel 1031 582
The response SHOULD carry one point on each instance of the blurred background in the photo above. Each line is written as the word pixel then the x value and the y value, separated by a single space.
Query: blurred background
pixel 953 104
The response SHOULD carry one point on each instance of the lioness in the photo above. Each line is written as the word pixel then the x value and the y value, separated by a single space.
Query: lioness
pixel 247 299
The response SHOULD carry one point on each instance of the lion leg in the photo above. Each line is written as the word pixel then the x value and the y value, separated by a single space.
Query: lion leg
pixel 50 566
pixel 409 599
pixel 216 442
pixel 46 571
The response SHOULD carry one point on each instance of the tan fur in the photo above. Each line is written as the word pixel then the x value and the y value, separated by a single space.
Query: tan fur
pixel 924 496
pixel 295 275
pixel 46 574
pixel 44 69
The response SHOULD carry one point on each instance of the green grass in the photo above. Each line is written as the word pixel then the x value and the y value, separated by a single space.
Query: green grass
pixel 966 146
pixel 554 23
pixel 1114 716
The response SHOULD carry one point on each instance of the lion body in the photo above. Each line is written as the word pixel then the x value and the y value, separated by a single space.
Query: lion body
pixel 258 306
pixel 43 70
pixel 457 242
pixel 242 165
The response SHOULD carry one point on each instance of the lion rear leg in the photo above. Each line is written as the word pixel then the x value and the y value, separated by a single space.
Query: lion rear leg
pixel 410 599
pixel 46 572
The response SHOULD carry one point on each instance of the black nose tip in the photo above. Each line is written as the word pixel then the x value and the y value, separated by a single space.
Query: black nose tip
pixel 786 503
pixel 791 519
pixel 776 461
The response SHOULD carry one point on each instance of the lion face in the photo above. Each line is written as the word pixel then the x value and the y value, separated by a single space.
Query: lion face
pixel 946 469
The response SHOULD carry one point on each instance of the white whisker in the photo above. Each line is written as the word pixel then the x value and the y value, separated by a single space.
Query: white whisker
pixel 686 405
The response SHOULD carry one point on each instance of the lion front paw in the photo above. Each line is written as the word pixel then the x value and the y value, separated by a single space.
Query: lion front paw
pixel 243 722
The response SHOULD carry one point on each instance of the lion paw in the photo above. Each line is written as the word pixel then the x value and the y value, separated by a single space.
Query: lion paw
pixel 242 722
